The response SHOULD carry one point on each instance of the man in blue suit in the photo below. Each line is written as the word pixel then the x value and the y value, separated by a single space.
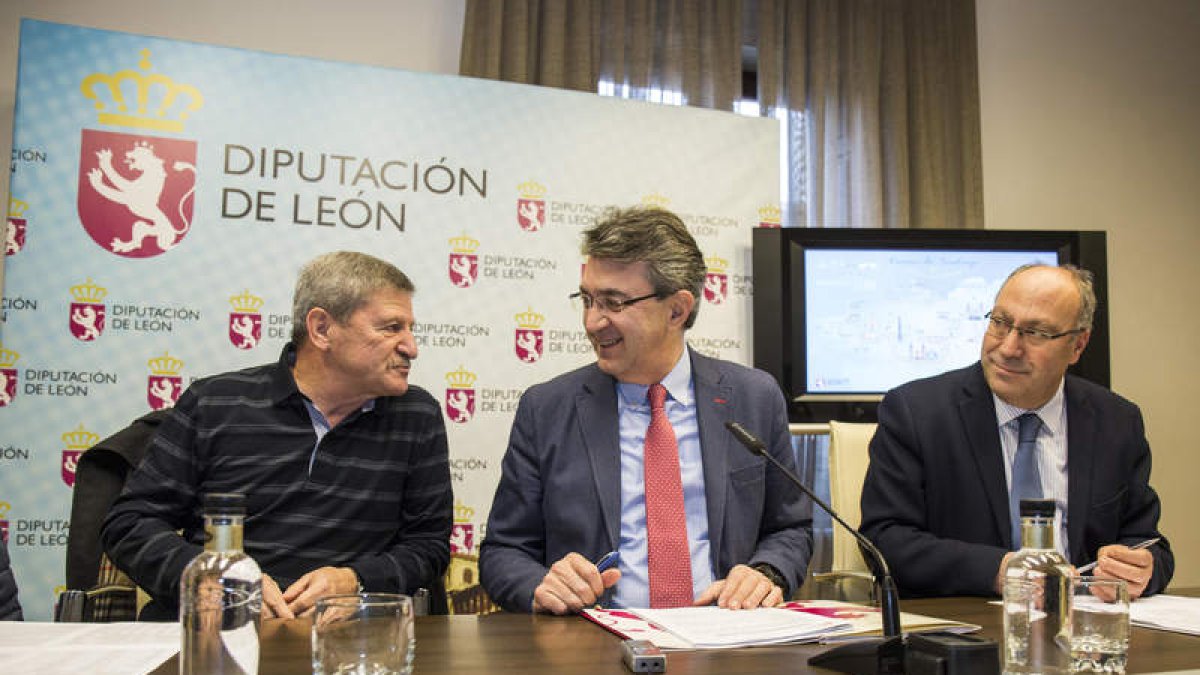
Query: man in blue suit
pixel 936 495
pixel 580 453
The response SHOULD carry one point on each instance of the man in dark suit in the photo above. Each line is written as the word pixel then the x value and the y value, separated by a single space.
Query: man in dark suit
pixel 585 445
pixel 936 496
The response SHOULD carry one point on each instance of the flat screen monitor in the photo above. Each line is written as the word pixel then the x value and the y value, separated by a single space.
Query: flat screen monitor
pixel 842 316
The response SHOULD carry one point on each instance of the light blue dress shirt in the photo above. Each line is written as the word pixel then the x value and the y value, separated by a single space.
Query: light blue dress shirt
pixel 321 426
pixel 1051 456
pixel 633 590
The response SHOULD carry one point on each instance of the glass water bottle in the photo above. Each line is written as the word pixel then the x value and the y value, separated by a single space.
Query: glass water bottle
pixel 1037 597
pixel 220 596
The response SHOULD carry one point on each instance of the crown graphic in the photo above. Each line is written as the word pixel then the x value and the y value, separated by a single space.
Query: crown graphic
pixel 4 507
pixel 529 319
pixel 463 244
pixel 716 264
pixel 463 513
pixel 531 189
pixel 162 103
pixel 461 378
pixel 165 365
pixel 16 208
pixel 89 292
pixel 8 358
pixel 770 214
pixel 246 303
pixel 80 439
pixel 656 200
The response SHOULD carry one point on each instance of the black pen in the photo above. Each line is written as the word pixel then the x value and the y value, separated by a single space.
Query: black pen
pixel 607 560
pixel 1136 547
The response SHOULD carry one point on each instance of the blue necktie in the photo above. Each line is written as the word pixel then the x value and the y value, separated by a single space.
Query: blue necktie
pixel 1026 480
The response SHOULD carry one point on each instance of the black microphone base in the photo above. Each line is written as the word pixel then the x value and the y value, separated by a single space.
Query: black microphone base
pixel 869 656
pixel 916 654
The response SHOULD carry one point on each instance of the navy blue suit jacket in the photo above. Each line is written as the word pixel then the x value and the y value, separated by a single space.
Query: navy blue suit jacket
pixel 560 486
pixel 935 499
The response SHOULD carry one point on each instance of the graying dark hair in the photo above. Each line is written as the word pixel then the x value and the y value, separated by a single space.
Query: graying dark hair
pixel 656 237
pixel 1084 284
pixel 340 283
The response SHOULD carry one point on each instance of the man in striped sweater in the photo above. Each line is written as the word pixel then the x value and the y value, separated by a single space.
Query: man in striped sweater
pixel 344 466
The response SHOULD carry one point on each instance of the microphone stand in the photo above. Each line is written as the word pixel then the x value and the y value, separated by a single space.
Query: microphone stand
pixel 861 657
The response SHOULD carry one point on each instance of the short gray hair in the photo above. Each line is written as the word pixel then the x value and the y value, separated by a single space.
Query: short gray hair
pixel 657 237
pixel 1084 284
pixel 340 283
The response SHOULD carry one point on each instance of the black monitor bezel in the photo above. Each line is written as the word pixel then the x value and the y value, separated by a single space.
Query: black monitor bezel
pixel 779 322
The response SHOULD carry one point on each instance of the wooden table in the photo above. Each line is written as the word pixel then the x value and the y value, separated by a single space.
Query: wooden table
pixel 517 643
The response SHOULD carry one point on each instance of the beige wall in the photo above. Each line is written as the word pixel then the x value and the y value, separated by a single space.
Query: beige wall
pixel 1091 120
pixel 420 35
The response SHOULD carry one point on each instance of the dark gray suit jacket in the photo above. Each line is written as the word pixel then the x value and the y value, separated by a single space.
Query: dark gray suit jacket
pixel 560 487
pixel 99 477
pixel 935 499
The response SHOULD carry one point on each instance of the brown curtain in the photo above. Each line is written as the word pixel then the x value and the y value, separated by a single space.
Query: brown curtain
pixel 532 42
pixel 878 99
pixel 681 51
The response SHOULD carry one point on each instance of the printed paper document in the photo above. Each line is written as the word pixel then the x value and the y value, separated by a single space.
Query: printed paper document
pixel 709 627
pixel 96 648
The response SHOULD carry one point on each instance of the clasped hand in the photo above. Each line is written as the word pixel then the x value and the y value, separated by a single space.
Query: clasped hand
pixel 301 597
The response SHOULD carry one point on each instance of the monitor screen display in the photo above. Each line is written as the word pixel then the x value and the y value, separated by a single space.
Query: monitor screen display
pixel 843 315
pixel 877 318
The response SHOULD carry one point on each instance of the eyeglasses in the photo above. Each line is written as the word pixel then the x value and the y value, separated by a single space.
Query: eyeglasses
pixel 607 304
pixel 1000 328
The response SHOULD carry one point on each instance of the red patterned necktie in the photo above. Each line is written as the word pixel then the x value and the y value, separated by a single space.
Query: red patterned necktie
pixel 670 562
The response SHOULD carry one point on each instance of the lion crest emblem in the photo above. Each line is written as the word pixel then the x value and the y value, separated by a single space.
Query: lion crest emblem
pixel 141 205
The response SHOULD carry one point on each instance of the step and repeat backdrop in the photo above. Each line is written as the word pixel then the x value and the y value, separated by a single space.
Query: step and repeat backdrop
pixel 165 193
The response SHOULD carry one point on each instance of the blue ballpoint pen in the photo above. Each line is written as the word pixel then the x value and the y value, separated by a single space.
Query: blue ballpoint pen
pixel 607 560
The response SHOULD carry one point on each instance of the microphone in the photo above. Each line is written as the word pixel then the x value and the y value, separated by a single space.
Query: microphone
pixel 884 655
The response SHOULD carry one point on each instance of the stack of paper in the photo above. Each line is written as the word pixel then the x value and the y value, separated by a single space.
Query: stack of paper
pixel 794 622
pixel 715 628
pixel 1167 612
pixel 72 648
pixel 868 621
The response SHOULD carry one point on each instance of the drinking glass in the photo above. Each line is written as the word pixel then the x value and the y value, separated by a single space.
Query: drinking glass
pixel 1099 626
pixel 364 634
